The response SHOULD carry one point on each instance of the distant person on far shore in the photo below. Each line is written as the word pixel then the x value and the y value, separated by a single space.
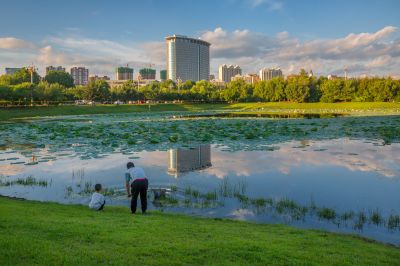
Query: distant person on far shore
pixel 98 201
pixel 136 183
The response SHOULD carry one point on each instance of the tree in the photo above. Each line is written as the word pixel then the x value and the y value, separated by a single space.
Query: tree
pixel 76 93
pixel 22 92
pixel 5 93
pixel 126 92
pixel 205 90
pixel 187 85
pixel 151 91
pixel 98 90
pixel 270 91
pixel 50 92
pixel 298 89
pixel 238 90
pixel 23 75
pixel 349 90
pixel 61 77
pixel 332 90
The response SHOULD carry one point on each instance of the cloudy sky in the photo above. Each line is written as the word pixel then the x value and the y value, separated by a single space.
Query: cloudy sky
pixel 325 36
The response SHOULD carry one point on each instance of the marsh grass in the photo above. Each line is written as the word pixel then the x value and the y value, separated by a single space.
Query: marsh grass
pixel 348 215
pixel 326 213
pixel 393 222
pixel 376 218
pixel 24 181
pixel 360 221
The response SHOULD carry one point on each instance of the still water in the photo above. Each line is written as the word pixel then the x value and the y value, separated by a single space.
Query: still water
pixel 346 175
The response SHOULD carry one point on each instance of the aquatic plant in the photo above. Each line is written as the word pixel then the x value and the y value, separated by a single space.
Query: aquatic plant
pixel 285 205
pixel 361 219
pixel 24 181
pixel 348 215
pixel 326 213
pixel 376 218
pixel 393 222
pixel 242 198
pixel 105 133
pixel 259 202
pixel 210 196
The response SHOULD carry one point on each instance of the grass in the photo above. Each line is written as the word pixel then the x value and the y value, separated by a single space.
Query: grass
pixel 279 107
pixel 54 234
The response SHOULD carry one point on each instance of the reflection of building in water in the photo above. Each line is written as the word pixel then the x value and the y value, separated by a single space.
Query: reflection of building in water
pixel 189 159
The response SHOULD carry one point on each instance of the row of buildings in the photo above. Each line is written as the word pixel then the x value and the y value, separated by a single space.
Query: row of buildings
pixel 81 74
pixel 186 59
pixel 230 73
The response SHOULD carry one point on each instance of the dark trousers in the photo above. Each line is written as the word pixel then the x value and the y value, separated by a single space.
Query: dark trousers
pixel 139 187
pixel 102 206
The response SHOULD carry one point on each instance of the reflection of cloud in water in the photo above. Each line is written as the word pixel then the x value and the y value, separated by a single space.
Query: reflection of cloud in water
pixel 354 155
pixel 10 169
pixel 241 214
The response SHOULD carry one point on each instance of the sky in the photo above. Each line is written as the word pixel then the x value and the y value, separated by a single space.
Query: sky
pixel 324 36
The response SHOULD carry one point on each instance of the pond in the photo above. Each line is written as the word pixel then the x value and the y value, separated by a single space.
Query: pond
pixel 338 174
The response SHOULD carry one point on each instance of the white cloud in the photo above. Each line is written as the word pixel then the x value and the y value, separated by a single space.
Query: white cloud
pixel 11 43
pixel 375 53
pixel 272 5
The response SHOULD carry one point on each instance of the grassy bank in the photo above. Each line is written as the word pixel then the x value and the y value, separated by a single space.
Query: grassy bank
pixel 53 234
pixel 40 111
pixel 374 108
pixel 353 108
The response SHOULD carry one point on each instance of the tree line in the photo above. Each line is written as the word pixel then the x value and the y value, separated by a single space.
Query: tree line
pixel 58 86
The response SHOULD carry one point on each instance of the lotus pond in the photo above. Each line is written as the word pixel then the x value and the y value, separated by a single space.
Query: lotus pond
pixel 334 173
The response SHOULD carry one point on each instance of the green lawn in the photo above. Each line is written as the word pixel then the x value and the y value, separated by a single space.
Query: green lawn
pixel 53 234
pixel 40 111
pixel 376 108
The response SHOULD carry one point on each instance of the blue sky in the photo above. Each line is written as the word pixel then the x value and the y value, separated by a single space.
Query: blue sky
pixel 325 36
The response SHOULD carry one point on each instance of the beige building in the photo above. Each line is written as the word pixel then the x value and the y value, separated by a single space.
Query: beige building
pixel 225 73
pixel 95 77
pixel 187 58
pixel 248 78
pixel 80 75
pixel 270 73
pixel 58 68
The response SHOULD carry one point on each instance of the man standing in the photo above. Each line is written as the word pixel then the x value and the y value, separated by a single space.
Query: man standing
pixel 138 186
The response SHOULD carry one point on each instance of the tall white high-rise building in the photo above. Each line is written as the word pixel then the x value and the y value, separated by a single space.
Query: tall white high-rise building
pixel 226 73
pixel 80 75
pixel 187 58
pixel 270 73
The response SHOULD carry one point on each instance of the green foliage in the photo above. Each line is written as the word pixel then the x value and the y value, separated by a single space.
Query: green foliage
pixel 22 76
pixel 49 92
pixel 271 90
pixel 98 90
pixel 299 88
pixel 61 77
pixel 238 91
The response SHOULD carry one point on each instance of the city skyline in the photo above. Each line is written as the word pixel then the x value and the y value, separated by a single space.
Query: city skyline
pixel 263 33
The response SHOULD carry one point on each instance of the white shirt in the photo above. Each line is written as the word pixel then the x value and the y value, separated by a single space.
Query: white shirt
pixel 96 201
pixel 134 173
